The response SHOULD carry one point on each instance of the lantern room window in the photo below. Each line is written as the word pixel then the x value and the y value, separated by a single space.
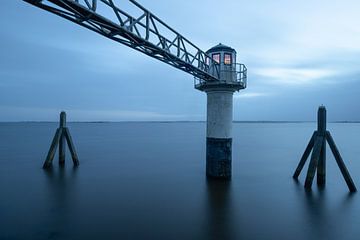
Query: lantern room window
pixel 207 62
pixel 216 57
pixel 227 58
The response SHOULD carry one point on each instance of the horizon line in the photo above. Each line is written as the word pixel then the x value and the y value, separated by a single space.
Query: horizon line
pixel 181 121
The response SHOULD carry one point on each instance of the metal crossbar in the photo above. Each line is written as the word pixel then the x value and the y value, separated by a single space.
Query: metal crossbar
pixel 237 69
pixel 145 32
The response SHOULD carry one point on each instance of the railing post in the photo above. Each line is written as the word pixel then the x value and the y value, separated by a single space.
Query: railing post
pixel 94 5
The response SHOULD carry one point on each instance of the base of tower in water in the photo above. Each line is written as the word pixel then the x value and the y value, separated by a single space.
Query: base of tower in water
pixel 218 157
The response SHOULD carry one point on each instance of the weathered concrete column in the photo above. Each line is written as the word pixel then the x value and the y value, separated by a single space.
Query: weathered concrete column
pixel 219 132
pixel 227 77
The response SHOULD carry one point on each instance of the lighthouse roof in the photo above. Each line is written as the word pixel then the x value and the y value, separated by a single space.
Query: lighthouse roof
pixel 220 47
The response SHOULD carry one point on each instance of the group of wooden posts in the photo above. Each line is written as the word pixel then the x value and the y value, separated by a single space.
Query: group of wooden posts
pixel 316 146
pixel 62 134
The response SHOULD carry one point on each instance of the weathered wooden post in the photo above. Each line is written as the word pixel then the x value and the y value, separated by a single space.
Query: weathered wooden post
pixel 321 170
pixel 62 139
pixel 317 145
pixel 62 134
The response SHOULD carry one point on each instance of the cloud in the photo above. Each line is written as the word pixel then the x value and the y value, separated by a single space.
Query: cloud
pixel 126 115
pixel 52 114
pixel 250 95
pixel 294 76
pixel 308 47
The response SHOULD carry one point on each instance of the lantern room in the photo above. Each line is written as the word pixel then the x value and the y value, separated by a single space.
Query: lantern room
pixel 222 65
pixel 224 58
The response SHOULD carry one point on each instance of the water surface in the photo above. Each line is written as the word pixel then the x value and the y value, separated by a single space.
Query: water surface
pixel 147 181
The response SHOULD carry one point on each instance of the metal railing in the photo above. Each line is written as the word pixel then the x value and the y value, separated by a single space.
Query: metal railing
pixel 234 74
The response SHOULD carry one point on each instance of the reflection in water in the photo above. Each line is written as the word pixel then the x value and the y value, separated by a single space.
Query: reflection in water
pixel 318 216
pixel 219 210
pixel 124 192
pixel 61 183
pixel 325 219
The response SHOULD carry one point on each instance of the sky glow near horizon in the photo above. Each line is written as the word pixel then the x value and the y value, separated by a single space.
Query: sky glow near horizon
pixel 299 55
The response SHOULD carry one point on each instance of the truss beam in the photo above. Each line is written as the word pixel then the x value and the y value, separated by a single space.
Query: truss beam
pixel 145 32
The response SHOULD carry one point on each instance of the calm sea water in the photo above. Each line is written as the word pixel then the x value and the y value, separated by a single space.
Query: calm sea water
pixel 147 181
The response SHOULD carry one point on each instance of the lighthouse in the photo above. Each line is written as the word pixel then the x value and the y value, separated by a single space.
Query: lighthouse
pixel 232 78
pixel 216 72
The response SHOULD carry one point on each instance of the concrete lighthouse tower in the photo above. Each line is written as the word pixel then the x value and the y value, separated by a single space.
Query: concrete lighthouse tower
pixel 232 78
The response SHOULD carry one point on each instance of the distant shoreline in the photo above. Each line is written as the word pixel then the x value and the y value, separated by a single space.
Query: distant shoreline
pixel 174 122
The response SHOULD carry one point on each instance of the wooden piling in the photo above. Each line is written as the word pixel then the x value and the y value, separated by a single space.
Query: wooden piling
pixel 340 163
pixel 52 150
pixel 314 161
pixel 317 145
pixel 321 168
pixel 321 120
pixel 62 134
pixel 305 156
pixel 71 147
pixel 62 139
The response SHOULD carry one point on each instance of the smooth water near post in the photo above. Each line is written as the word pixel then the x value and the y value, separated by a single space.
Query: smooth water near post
pixel 147 181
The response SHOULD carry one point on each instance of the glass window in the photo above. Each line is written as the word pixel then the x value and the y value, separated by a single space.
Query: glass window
pixel 207 62
pixel 216 57
pixel 227 58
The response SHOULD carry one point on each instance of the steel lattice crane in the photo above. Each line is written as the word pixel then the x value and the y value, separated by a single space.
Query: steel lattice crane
pixel 215 71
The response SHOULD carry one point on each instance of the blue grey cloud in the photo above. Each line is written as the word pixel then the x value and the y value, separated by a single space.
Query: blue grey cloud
pixel 299 55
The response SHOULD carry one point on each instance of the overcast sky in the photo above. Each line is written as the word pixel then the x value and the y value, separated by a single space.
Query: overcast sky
pixel 299 55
